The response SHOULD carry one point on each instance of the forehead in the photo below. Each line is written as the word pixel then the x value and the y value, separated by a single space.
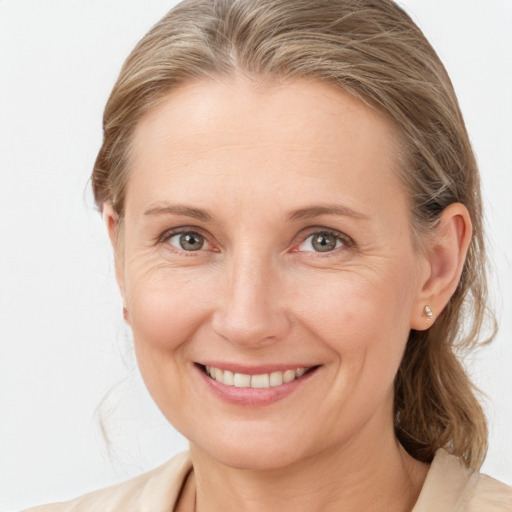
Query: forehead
pixel 302 135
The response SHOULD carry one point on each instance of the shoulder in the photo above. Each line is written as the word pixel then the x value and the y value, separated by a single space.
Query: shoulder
pixel 486 493
pixel 452 487
pixel 156 491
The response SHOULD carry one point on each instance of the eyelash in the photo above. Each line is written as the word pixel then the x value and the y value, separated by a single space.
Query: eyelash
pixel 345 240
pixel 167 235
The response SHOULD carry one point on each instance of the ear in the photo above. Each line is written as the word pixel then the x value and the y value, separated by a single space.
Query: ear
pixel 445 255
pixel 111 220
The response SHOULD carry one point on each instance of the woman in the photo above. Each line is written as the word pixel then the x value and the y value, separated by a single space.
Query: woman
pixel 295 211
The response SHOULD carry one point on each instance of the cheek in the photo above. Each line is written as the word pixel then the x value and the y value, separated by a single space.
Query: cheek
pixel 164 313
pixel 165 305
pixel 364 317
pixel 157 316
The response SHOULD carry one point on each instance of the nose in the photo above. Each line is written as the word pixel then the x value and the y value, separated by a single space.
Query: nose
pixel 250 311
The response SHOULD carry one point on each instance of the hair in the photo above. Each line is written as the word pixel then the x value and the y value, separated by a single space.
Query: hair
pixel 374 51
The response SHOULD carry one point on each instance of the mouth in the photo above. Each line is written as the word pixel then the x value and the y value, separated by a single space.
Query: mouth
pixel 255 386
pixel 272 379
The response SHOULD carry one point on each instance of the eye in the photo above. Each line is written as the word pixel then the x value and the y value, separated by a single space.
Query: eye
pixel 322 241
pixel 188 241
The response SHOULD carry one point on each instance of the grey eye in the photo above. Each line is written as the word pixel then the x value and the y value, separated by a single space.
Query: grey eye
pixel 321 242
pixel 189 241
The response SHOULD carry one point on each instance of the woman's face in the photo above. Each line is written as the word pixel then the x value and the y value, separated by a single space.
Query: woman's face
pixel 266 231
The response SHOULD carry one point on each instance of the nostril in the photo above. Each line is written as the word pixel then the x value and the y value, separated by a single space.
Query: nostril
pixel 261 326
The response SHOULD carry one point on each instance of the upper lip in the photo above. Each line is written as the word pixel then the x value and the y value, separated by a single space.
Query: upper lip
pixel 255 370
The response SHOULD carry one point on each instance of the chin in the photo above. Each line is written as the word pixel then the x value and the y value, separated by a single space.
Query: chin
pixel 266 454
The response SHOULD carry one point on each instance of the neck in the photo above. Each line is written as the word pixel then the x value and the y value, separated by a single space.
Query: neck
pixel 359 475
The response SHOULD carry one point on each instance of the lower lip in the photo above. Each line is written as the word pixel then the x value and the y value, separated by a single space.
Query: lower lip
pixel 254 397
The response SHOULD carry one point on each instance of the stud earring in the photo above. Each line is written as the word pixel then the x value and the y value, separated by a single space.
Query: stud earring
pixel 428 312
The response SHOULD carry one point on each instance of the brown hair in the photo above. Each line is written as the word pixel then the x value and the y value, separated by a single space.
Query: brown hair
pixel 373 50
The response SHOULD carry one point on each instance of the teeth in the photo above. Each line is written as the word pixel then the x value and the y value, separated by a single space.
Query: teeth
pixel 299 372
pixel 288 376
pixel 264 380
pixel 228 378
pixel 242 380
pixel 260 381
pixel 276 378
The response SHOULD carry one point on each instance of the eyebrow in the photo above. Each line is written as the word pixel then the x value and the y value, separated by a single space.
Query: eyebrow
pixel 300 214
pixel 317 211
pixel 180 209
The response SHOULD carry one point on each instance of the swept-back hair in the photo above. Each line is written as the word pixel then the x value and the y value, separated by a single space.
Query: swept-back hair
pixel 373 50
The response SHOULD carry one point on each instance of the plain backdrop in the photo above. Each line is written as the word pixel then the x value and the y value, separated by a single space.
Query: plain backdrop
pixel 63 344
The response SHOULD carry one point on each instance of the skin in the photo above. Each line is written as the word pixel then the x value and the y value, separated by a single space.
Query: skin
pixel 258 293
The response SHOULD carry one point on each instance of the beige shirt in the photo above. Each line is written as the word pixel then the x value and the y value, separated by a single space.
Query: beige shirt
pixel 449 487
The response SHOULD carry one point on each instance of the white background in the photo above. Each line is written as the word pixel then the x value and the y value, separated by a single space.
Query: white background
pixel 62 340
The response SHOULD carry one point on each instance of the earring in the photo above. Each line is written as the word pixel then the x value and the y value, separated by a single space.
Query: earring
pixel 125 311
pixel 428 312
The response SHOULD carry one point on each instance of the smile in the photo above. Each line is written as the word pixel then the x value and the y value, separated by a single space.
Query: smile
pixel 254 386
pixel 263 380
